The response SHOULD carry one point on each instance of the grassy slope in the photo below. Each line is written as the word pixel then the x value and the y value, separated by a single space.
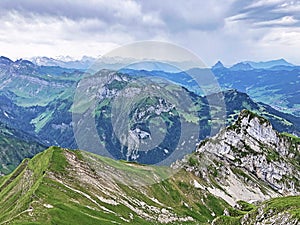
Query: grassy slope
pixel 288 206
pixel 30 195
pixel 71 206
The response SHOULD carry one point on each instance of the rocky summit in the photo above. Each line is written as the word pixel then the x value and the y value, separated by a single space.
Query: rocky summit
pixel 249 161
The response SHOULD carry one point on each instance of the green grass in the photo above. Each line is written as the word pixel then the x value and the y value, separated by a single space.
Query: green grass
pixel 228 220
pixel 293 137
pixel 40 121
pixel 245 206
pixel 290 204
pixel 132 171
pixel 16 193
pixel 193 161
pixel 190 117
pixel 71 207
pixel 58 162
pixel 74 201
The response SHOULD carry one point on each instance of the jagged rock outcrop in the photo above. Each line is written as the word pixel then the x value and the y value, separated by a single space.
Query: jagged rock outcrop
pixel 248 160
pixel 253 144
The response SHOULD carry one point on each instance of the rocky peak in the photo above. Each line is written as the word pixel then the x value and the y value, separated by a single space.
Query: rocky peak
pixel 241 66
pixel 256 127
pixel 245 155
pixel 218 65
pixel 251 143
pixel 23 62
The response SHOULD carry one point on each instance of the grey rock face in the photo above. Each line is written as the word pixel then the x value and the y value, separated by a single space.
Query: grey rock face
pixel 251 143
pixel 247 161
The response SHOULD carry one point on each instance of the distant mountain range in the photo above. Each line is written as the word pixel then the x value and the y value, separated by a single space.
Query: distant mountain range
pixel 280 82
pixel 250 65
pixel 66 62
pixel 269 64
pixel 39 100
pixel 85 62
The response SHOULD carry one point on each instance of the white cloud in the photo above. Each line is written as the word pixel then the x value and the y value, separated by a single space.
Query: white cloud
pixel 229 30
pixel 284 21
pixel 280 42
pixel 25 37
pixel 260 3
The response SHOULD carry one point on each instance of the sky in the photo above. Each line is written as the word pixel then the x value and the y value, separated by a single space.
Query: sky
pixel 226 30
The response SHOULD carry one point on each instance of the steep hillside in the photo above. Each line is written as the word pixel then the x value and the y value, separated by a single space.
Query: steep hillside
pixel 60 186
pixel 53 123
pixel 14 147
pixel 280 82
pixel 277 211
pixel 32 85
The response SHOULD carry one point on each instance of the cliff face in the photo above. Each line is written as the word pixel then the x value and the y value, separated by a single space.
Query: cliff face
pixel 252 144
pixel 249 160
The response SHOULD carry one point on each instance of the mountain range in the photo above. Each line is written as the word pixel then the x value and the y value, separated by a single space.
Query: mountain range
pixel 243 170
pixel 39 100
pixel 66 62
pixel 85 62
pixel 268 65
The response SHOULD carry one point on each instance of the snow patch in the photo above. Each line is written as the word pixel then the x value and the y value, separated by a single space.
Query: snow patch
pixel 197 185
pixel 48 206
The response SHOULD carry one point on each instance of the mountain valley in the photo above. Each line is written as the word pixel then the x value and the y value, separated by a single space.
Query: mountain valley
pixel 244 170
pixel 49 117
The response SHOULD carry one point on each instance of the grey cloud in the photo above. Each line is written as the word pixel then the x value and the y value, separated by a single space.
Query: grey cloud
pixel 92 16
pixel 170 15
pixel 111 12
pixel 270 13
pixel 222 29
pixel 143 17
pixel 69 9
pixel 191 14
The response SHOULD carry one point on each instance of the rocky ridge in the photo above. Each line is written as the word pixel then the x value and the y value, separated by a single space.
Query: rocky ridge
pixel 248 161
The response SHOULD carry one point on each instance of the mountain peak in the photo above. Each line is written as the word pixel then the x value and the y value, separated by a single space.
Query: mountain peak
pixel 24 62
pixel 251 143
pixel 218 65
pixel 241 66
pixel 249 155
pixel 5 60
pixel 280 60
pixel 256 127
pixel 269 64
pixel 245 113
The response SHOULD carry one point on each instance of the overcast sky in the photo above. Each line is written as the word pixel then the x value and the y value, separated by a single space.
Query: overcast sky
pixel 226 30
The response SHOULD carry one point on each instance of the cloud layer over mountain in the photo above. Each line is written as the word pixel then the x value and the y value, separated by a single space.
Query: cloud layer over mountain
pixel 230 30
